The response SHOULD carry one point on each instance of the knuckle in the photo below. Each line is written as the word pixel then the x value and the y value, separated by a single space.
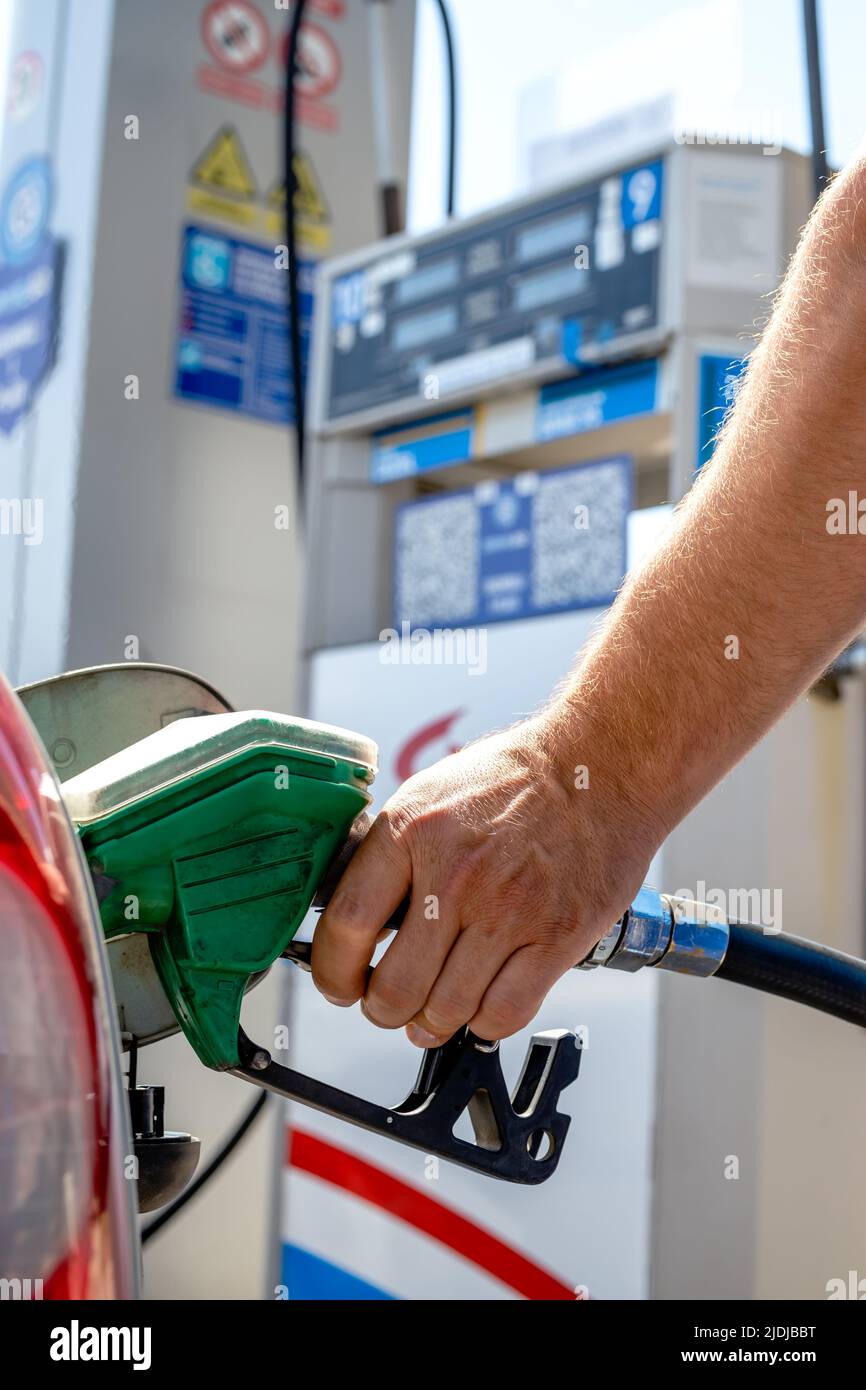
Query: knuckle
pixel 527 888
pixel 334 990
pixel 395 819
pixel 446 1011
pixel 561 939
pixel 346 911
pixel 486 927
pixel 504 1015
pixel 390 1002
pixel 467 867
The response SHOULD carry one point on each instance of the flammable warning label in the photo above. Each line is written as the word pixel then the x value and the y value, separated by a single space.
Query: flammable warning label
pixel 222 183
pixel 223 188
pixel 312 213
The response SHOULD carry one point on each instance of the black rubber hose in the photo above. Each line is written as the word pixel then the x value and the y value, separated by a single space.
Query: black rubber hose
pixel 289 152
pixel 820 165
pixel 796 969
pixel 451 71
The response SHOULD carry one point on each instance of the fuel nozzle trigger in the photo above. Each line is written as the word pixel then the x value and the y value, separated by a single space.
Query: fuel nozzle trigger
pixel 518 1137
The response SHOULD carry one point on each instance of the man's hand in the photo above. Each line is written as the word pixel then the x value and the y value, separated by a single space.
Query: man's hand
pixel 516 869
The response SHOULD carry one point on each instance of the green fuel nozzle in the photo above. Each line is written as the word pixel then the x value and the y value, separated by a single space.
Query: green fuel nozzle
pixel 212 837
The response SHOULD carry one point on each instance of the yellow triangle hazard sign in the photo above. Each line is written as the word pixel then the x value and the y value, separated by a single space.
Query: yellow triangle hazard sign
pixel 224 166
pixel 309 201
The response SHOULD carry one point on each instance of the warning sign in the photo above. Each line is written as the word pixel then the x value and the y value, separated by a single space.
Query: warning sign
pixel 246 57
pixel 319 65
pixel 312 214
pixel 236 35
pixel 223 187
pixel 224 165
pixel 223 183
pixel 309 199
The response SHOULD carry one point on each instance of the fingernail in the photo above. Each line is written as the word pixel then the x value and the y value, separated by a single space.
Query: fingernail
pixel 369 1017
pixel 420 1037
pixel 340 1003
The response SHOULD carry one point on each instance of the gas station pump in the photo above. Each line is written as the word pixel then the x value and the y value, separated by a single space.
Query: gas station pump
pixel 606 318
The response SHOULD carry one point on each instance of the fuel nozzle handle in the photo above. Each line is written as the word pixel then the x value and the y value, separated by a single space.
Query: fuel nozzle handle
pixel 677 934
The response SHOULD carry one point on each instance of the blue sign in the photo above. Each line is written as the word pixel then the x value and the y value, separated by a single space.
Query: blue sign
pixel 25 211
pixel 719 379
pixel 642 194
pixel 596 398
pixel 440 441
pixel 233 348
pixel 28 310
pixel 536 544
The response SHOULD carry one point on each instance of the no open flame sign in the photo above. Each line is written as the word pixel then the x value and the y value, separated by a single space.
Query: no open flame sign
pixel 236 35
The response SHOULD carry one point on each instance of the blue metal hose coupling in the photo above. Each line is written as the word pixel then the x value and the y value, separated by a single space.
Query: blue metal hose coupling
pixel 670 933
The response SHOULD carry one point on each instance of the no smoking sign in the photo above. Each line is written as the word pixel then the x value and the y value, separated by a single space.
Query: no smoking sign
pixel 240 41
pixel 319 65
pixel 236 35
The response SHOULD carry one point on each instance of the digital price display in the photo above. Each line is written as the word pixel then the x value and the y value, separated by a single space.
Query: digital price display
pixel 478 303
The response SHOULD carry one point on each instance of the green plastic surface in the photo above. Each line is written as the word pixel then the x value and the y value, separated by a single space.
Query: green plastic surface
pixel 221 869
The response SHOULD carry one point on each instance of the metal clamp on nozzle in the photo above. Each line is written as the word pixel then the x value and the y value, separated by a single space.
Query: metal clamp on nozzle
pixel 671 933
pixel 699 939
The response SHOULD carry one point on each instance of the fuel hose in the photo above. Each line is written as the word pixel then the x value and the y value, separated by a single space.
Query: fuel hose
pixel 795 969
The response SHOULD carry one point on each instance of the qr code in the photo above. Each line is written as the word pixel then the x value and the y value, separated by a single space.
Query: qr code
pixel 436 561
pixel 579 535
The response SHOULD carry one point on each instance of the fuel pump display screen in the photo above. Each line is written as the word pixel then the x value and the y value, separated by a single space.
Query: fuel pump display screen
pixel 494 298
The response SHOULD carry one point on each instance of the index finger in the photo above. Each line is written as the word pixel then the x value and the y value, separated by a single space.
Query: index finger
pixel 375 882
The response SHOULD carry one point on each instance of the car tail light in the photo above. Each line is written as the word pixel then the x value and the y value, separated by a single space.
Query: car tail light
pixel 66 1208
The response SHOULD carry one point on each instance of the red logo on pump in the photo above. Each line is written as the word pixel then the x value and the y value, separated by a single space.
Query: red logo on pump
pixel 408 755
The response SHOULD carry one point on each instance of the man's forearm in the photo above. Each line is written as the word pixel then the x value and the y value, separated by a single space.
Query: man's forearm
pixel 752 595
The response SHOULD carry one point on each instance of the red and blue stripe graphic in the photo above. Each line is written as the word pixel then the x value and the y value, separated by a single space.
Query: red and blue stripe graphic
pixel 309 1276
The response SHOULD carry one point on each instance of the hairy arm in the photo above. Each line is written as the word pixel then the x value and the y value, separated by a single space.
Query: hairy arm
pixel 515 868
pixel 751 595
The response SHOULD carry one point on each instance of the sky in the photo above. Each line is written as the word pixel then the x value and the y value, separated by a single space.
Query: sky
pixel 530 69
pixel 544 67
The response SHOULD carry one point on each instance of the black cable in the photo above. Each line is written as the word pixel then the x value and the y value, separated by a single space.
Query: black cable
pixel 289 152
pixel 452 105
pixel 796 969
pixel 820 167
pixel 215 1164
